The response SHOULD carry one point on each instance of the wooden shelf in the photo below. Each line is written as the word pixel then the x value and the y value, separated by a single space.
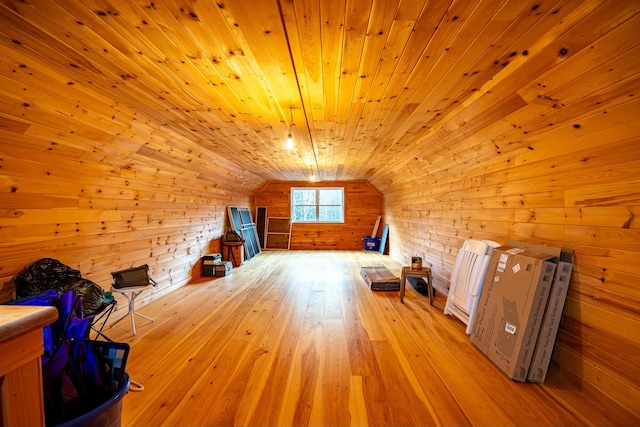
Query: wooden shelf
pixel 278 233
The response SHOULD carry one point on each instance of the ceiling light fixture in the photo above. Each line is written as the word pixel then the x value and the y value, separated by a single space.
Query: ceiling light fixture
pixel 289 144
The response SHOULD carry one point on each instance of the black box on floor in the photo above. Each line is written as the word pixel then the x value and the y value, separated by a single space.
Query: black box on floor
pixel 224 268
pixel 209 262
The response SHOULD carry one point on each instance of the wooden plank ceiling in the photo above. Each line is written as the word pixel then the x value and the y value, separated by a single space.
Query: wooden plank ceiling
pixel 364 85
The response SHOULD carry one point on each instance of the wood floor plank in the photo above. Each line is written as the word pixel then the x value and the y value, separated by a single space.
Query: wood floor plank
pixel 297 338
pixel 336 386
pixel 205 403
pixel 406 406
pixel 377 401
pixel 306 369
pixel 357 403
pixel 270 406
pixel 416 365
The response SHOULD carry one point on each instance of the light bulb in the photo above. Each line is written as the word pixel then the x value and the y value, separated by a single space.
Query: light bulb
pixel 289 144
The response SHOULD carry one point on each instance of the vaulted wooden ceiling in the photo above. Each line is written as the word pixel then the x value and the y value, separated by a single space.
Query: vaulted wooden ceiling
pixel 371 89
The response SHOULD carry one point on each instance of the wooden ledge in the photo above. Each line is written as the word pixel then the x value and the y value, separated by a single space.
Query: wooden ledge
pixel 16 320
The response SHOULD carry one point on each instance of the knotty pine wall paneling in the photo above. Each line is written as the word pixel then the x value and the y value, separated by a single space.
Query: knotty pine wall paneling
pixel 363 204
pixel 474 119
pixel 562 167
pixel 100 188
pixel 101 219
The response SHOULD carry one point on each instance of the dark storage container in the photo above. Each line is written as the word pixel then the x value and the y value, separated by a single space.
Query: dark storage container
pixel 106 415
pixel 224 268
pixel 209 263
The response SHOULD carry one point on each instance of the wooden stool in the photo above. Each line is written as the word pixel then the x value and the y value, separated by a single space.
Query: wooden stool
pixel 424 272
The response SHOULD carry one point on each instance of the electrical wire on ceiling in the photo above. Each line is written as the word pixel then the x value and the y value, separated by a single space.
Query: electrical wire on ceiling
pixel 289 144
pixel 317 176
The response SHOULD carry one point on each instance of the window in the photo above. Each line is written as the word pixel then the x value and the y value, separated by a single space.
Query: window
pixel 312 204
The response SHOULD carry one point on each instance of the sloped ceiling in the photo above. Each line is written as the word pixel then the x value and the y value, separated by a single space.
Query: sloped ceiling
pixel 365 86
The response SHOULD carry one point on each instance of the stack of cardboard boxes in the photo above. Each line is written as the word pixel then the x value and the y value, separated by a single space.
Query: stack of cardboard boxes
pixel 520 307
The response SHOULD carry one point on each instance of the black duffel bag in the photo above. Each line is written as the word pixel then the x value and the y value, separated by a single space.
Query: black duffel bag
pixel 132 277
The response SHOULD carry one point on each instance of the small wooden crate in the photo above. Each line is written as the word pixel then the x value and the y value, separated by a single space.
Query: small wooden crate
pixel 378 278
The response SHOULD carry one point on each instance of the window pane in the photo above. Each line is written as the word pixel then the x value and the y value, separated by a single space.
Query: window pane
pixel 331 213
pixel 330 197
pixel 304 197
pixel 304 213
pixel 313 204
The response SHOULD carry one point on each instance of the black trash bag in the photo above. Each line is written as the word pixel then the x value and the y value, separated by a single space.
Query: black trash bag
pixel 91 294
pixel 42 275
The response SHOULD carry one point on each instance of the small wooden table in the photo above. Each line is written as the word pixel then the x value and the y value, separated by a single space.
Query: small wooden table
pixel 424 272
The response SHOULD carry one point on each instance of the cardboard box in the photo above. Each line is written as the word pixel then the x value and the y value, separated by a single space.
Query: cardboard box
pixel 553 312
pixel 510 309
pixel 224 268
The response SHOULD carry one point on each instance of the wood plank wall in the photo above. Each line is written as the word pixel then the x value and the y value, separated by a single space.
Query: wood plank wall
pixel 546 151
pixel 363 204
pixel 590 208
pixel 99 188
pixel 565 176
pixel 101 219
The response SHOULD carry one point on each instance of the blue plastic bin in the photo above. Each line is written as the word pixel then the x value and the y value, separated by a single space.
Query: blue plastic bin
pixel 371 243
pixel 106 415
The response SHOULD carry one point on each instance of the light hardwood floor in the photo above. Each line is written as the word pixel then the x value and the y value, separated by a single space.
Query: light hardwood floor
pixel 297 338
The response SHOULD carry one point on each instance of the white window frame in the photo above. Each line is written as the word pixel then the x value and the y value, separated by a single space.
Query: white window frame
pixel 317 205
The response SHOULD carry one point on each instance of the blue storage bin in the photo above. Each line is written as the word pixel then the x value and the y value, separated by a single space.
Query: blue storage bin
pixel 106 415
pixel 371 243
